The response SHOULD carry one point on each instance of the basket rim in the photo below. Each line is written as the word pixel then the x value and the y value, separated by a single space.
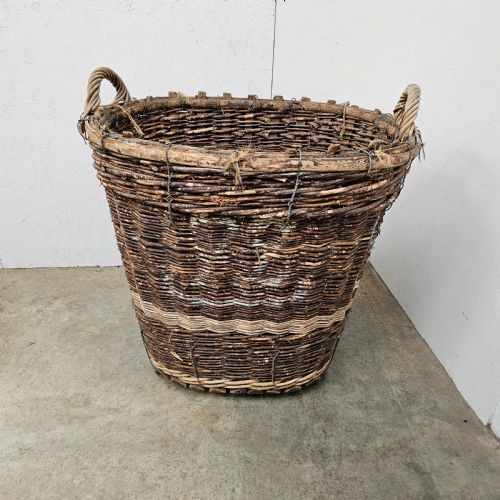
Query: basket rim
pixel 249 160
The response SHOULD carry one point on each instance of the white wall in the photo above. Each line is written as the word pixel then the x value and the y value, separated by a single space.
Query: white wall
pixel 53 212
pixel 440 247
pixel 440 244
pixel 439 250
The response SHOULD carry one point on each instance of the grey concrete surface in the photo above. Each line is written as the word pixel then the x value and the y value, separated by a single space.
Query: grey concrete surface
pixel 83 415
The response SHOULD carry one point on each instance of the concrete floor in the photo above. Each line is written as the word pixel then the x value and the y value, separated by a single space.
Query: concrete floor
pixel 83 415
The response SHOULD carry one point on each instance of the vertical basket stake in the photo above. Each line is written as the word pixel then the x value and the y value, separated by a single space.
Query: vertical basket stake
pixel 294 192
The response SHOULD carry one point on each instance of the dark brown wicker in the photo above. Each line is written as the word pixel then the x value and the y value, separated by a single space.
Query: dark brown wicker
pixel 244 224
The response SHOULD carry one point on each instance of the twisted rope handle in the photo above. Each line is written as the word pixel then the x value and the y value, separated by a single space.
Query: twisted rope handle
pixel 93 100
pixel 406 111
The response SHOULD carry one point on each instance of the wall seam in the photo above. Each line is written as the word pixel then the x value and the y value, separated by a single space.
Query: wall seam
pixel 274 46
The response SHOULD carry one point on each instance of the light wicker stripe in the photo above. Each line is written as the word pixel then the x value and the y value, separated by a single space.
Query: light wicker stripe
pixel 297 327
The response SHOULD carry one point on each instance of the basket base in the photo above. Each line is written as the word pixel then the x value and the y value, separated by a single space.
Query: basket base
pixel 242 391
pixel 237 387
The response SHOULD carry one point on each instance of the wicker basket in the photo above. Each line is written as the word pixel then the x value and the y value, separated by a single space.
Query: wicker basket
pixel 244 224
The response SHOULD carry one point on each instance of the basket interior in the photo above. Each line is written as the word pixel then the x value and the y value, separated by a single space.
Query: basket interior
pixel 258 124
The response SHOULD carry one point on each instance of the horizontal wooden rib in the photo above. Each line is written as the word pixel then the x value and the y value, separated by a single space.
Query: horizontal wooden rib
pixel 255 160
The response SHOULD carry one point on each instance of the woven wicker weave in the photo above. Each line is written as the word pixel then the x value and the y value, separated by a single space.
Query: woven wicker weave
pixel 244 224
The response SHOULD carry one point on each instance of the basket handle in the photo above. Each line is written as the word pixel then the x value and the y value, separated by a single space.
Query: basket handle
pixel 406 111
pixel 93 100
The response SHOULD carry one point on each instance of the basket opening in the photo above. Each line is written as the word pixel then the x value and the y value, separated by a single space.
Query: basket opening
pixel 256 126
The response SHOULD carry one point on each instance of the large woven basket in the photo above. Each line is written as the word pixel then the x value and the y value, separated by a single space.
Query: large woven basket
pixel 244 224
